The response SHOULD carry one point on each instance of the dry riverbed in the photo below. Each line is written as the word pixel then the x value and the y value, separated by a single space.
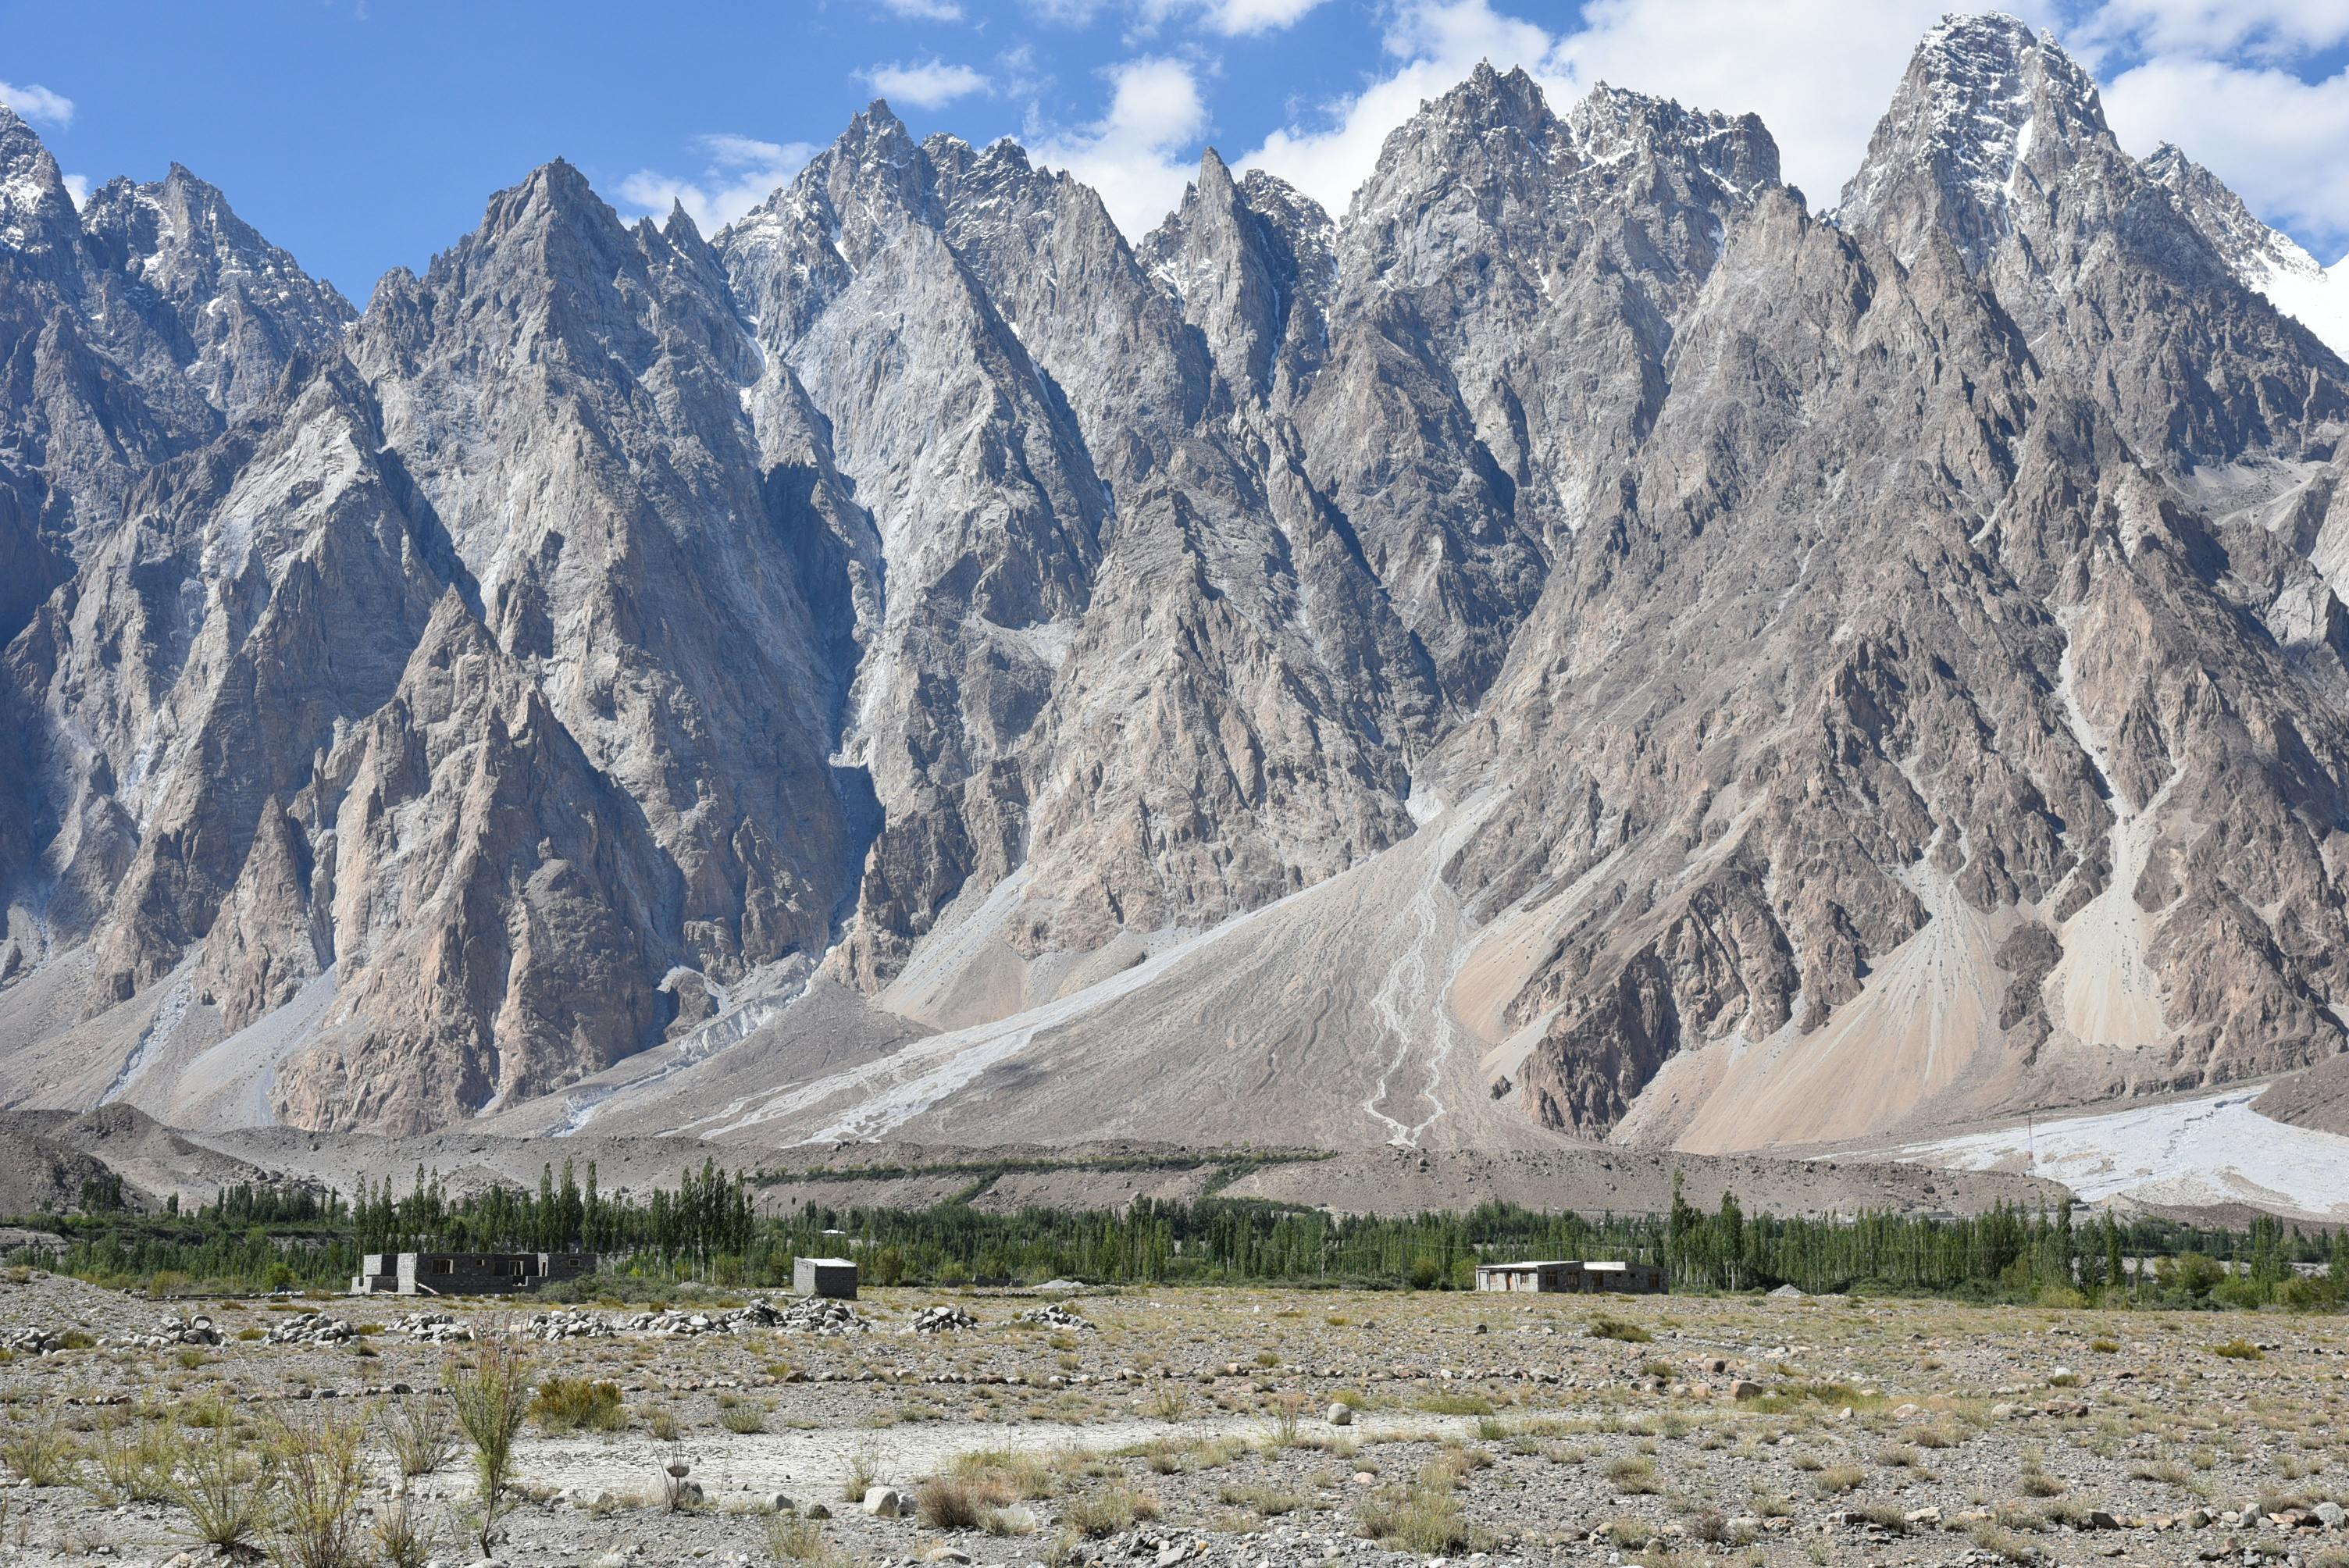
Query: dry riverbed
pixel 1177 1426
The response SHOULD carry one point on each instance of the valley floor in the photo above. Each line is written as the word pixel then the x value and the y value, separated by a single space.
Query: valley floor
pixel 1183 1426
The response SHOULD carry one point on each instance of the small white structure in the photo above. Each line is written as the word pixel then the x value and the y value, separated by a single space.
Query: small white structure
pixel 833 1277
pixel 1621 1278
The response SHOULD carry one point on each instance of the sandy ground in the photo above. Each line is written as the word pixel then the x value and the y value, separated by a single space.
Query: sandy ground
pixel 816 1462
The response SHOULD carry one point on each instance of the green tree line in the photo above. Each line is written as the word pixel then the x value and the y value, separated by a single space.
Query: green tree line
pixel 723 1228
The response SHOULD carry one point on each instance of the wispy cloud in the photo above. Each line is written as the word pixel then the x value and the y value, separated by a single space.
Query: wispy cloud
pixel 924 10
pixel 740 173
pixel 926 84
pixel 1231 18
pixel 2275 139
pixel 1137 155
pixel 1431 46
pixel 38 104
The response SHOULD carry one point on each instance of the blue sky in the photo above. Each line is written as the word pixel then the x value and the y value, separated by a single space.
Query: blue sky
pixel 366 135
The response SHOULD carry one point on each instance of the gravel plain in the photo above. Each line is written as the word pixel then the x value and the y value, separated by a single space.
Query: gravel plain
pixel 1253 1428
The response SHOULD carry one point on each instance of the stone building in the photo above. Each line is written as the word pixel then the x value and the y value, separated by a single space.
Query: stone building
pixel 1620 1278
pixel 465 1273
pixel 834 1278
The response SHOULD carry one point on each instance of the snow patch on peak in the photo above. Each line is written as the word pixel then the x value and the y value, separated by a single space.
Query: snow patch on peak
pixel 2317 297
pixel 1985 100
pixel 2265 260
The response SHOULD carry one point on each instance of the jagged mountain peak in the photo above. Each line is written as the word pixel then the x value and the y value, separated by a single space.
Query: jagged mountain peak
pixel 1610 123
pixel 556 187
pixel 184 221
pixel 2267 260
pixel 870 178
pixel 1496 95
pixel 876 123
pixel 2240 237
pixel 1489 103
pixel 36 213
pixel 918 573
pixel 1985 99
pixel 878 149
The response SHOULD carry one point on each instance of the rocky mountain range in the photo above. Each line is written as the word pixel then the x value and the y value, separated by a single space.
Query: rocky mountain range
pixel 1585 643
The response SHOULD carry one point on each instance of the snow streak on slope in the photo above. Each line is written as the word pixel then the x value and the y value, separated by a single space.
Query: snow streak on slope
pixel 2186 1153
pixel 2317 297
pixel 747 1008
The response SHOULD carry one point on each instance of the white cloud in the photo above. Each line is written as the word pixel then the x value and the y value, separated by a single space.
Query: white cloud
pixel 2225 79
pixel 78 187
pixel 1137 155
pixel 38 104
pixel 2262 29
pixel 924 10
pixel 2275 139
pixel 1818 73
pixel 1434 44
pixel 1231 18
pixel 929 84
pixel 741 172
pixel 1239 19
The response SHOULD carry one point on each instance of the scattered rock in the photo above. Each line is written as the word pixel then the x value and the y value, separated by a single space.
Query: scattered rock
pixel 311 1328
pixel 1054 1316
pixel 820 1314
pixel 433 1328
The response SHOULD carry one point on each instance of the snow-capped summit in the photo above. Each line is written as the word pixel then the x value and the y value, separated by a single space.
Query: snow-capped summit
pixel 1985 101
pixel 2265 259
pixel 1610 124
pixel 35 212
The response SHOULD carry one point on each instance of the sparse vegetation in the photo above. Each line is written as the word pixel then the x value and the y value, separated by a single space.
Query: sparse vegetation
pixel 422 1432
pixel 569 1404
pixel 312 1465
pixel 489 1391
pixel 216 1481
pixel 37 1449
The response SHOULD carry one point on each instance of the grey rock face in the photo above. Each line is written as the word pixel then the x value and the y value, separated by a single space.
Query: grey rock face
pixel 1699 673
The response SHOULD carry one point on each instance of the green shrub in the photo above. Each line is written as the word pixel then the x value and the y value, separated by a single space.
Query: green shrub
pixel 742 1419
pixel 1109 1510
pixel 489 1388
pixel 1617 1328
pixel 568 1404
pixel 422 1432
pixel 317 1474
pixel 1426 1521
pixel 217 1482
pixel 40 1449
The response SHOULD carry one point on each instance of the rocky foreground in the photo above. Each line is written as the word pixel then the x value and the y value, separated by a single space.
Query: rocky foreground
pixel 1215 1426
